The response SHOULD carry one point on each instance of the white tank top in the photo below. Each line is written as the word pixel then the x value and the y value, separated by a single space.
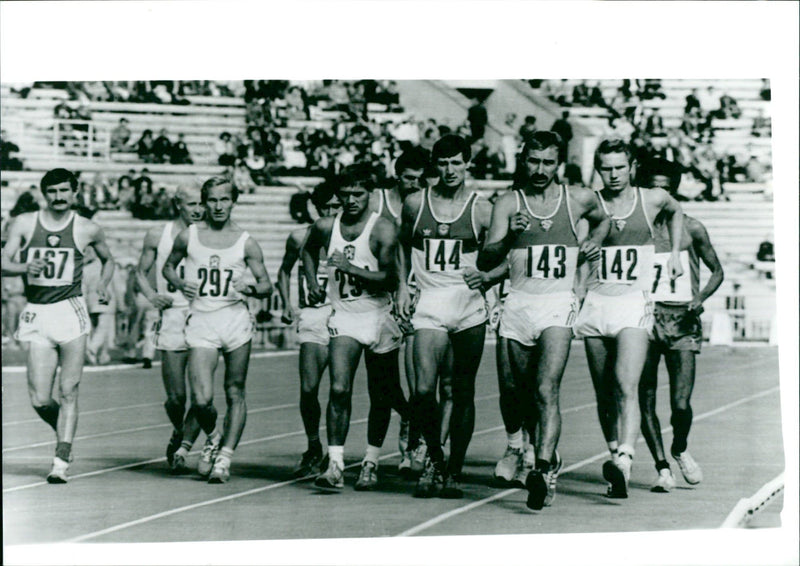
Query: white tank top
pixel 215 271
pixel 164 287
pixel 347 292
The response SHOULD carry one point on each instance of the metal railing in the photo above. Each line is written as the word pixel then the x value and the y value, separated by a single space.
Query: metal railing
pixel 80 138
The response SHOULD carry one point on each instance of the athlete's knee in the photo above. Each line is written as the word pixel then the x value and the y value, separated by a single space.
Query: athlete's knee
pixel 234 394
pixel 340 391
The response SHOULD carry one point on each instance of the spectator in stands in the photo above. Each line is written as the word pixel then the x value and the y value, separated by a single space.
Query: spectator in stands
pixel 580 94
pixel 762 125
pixel 179 152
pixel 7 161
pixel 766 250
pixel 766 91
pixel 225 149
pixel 728 107
pixel 573 174
pixel 691 122
pixel 478 118
pixel 162 205
pixel 708 100
pixel 144 147
pixel 754 170
pixel 596 96
pixel 102 312
pixel 692 102
pixel 528 128
pixel 120 136
pixel 297 103
pixel 241 178
pixel 26 202
pixel 652 89
pixel 655 124
pixel 162 147
pixel 563 128
pixel 625 90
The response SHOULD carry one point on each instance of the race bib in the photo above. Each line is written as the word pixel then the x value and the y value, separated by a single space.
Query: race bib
pixel 551 261
pixel 665 290
pixel 619 264
pixel 442 255
pixel 59 266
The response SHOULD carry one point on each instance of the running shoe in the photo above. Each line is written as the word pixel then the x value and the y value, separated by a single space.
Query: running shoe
pixel 221 472
pixel 551 478
pixel 311 463
pixel 174 443
pixel 689 468
pixel 404 467
pixel 615 476
pixel 178 465
pixel 451 488
pixel 665 481
pixel 418 458
pixel 58 473
pixel 430 482
pixel 528 464
pixel 208 455
pixel 509 464
pixel 333 478
pixel 367 477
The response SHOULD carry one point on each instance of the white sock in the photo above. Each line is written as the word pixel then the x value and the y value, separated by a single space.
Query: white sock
pixel 613 447
pixel 225 454
pixel 515 440
pixel 336 454
pixel 182 452
pixel 627 450
pixel 372 455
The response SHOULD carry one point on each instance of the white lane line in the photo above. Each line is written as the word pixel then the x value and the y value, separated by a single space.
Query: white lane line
pixel 746 507
pixel 443 517
pixel 92 412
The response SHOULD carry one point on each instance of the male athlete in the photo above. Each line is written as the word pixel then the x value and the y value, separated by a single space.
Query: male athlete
pixel 535 228
pixel 362 273
pixel 440 234
pixel 312 328
pixel 616 319
pixel 217 253
pixel 54 324
pixel 173 308
pixel 677 334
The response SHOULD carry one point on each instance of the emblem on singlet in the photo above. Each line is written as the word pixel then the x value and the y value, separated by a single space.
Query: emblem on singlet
pixel 546 224
pixel 349 252
pixel 443 229
pixel 620 223
pixel 53 240
pixel 213 262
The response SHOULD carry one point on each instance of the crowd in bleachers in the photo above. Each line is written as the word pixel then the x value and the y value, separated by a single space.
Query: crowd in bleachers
pixel 159 92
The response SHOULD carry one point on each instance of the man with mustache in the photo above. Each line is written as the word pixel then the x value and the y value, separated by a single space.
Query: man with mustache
pixel 51 244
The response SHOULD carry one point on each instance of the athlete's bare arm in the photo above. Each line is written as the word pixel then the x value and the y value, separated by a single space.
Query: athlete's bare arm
pixel 598 223
pixel 254 258
pixel 178 253
pixel 409 215
pixel 319 236
pixel 97 240
pixel 294 244
pixel 505 225
pixel 659 201
pixel 383 243
pixel 20 227
pixel 702 245
pixel 146 261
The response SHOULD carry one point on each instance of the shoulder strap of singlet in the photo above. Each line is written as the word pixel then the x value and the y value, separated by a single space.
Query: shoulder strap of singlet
pixel 475 195
pixel 422 205
pixel 644 211
pixel 517 193
pixel 385 199
pixel 572 223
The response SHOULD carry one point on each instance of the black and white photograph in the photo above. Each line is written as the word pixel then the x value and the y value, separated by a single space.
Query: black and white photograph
pixel 478 300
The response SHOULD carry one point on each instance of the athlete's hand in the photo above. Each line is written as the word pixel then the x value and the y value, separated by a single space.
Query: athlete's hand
pixel 241 286
pixel 161 302
pixel 289 315
pixel 316 294
pixel 696 306
pixel 339 261
pixel 674 265
pixel 519 222
pixel 590 250
pixel 189 289
pixel 103 296
pixel 405 303
pixel 475 279
pixel 35 266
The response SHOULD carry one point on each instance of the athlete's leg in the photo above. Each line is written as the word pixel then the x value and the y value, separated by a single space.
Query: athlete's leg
pixel 42 364
pixel 71 356
pixel 651 427
pixel 345 353
pixel 601 357
pixel 446 395
pixel 553 349
pixel 632 346
pixel 173 375
pixel 467 353
pixel 511 403
pixel 385 394
pixel 430 349
pixel 408 360
pixel 236 365
pixel 520 366
pixel 681 368
pixel 202 365
pixel 313 361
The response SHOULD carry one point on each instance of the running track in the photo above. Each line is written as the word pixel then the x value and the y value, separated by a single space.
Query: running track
pixel 121 492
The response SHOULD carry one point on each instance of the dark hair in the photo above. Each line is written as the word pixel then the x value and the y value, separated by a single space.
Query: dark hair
pixel 612 145
pixel 413 158
pixel 323 193
pixel 542 139
pixel 25 203
pixel 217 181
pixel 450 145
pixel 58 176
pixel 357 175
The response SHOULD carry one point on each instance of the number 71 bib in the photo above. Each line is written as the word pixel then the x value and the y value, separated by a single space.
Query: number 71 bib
pixel 665 290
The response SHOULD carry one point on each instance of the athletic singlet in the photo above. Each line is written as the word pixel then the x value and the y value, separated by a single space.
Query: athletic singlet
pixel 626 257
pixel 61 277
pixel 322 280
pixel 385 208
pixel 164 287
pixel 347 292
pixel 442 249
pixel 683 289
pixel 215 271
pixel 544 258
